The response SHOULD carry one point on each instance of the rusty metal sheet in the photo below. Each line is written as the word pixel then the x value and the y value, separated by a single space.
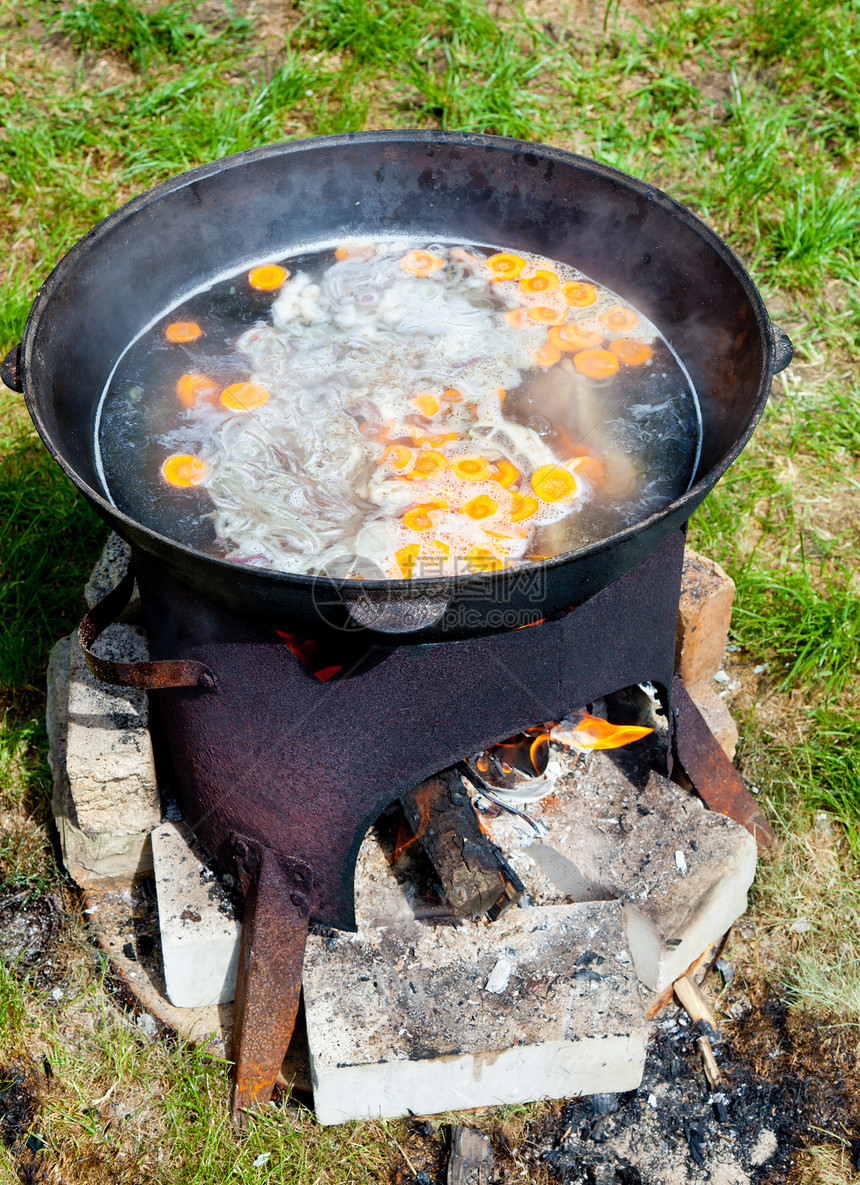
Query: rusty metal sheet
pixel 277 892
pixel 714 778
pixel 305 767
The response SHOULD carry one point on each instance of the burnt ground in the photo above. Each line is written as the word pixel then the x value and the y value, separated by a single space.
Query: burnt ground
pixel 31 926
pixel 785 1083
pixel 791 1082
pixel 19 1105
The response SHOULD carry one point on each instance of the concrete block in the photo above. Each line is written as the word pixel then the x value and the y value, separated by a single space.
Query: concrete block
pixel 405 1016
pixel 106 575
pixel 199 928
pixel 681 871
pixel 109 760
pixel 89 860
pixel 705 614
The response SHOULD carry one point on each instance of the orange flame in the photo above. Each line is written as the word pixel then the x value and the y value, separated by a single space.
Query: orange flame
pixel 527 752
pixel 590 732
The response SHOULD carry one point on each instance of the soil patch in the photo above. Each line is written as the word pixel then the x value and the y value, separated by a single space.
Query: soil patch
pixel 30 929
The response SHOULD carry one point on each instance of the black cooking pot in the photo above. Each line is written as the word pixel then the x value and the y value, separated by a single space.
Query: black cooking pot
pixel 293 197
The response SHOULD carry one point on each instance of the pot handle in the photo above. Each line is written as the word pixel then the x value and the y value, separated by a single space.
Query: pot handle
pixel 150 676
pixel 10 370
pixel 783 350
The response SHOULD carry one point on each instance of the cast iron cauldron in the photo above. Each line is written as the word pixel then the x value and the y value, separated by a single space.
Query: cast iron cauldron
pixel 273 201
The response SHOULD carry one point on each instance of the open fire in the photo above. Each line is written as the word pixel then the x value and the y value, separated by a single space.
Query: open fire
pixel 526 755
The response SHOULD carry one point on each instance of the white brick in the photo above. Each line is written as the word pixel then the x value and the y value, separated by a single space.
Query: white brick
pixel 609 840
pixel 106 575
pixel 89 859
pixel 407 1017
pixel 199 934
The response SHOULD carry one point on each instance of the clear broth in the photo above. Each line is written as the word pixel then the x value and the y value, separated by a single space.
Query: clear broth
pixel 364 359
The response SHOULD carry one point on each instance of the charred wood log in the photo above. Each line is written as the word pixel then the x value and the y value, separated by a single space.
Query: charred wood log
pixel 474 874
pixel 470 1159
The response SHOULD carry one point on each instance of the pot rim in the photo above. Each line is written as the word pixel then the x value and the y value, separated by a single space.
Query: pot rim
pixel 417 587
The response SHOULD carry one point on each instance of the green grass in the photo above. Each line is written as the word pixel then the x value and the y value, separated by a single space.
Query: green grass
pixel 810 627
pixel 47 545
pixel 142 35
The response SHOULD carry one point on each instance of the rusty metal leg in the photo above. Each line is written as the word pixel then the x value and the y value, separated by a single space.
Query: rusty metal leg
pixel 271 954
pixel 714 778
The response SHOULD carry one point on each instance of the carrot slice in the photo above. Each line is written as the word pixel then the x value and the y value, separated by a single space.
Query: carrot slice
pixel 267 277
pixel 506 473
pixel 397 456
pixel 420 436
pixel 427 463
pixel 631 353
pixel 472 468
pixel 484 560
pixel 418 519
pixel 244 396
pixel 183 331
pixel 481 507
pixel 360 251
pixel 505 266
pixel 525 506
pixel 421 263
pixel 551 483
pixel 597 364
pixel 191 387
pixel 589 467
pixel 452 395
pixel 576 335
pixel 426 403
pixel 540 281
pixel 548 354
pixel 578 294
pixel 183 470
pixel 505 534
pixel 514 318
pixel 544 315
pixel 618 318
pixel 406 557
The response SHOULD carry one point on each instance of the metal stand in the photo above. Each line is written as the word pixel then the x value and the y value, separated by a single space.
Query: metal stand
pixel 269 981
pixel 283 775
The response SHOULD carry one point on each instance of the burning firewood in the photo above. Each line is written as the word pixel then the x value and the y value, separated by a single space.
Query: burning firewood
pixel 473 873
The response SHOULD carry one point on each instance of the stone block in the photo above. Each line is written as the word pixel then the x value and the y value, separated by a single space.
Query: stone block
pixel 704 617
pixel 405 1016
pixel 106 575
pixel 681 871
pixel 199 928
pixel 109 760
pixel 89 859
